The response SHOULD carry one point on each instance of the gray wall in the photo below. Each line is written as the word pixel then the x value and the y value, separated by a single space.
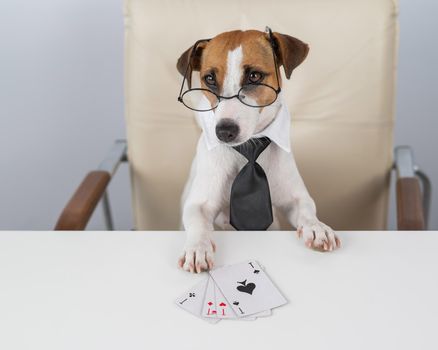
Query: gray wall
pixel 61 103
pixel 61 93
pixel 417 91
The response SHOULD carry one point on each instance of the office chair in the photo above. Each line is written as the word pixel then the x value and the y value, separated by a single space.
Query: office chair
pixel 341 100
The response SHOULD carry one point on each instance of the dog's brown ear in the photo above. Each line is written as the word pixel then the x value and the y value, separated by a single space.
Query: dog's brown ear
pixel 194 60
pixel 290 51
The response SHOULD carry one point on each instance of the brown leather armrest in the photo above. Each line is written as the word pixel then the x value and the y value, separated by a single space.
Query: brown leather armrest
pixel 410 215
pixel 78 210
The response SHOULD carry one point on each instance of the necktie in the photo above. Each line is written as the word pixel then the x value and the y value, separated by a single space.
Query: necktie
pixel 250 201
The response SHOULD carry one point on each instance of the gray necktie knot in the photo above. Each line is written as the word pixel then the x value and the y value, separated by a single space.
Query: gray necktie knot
pixel 252 148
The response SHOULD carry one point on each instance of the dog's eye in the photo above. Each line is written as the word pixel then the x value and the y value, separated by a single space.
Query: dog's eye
pixel 210 79
pixel 255 77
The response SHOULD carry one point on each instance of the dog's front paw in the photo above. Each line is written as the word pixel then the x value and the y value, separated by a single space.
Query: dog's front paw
pixel 198 256
pixel 318 236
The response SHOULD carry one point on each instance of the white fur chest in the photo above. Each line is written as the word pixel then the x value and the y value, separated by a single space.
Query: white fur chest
pixel 225 163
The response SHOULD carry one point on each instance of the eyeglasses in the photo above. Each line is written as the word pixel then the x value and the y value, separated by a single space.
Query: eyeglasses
pixel 255 95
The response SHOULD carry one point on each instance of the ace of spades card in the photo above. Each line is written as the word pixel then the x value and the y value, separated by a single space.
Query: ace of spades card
pixel 247 288
pixel 217 306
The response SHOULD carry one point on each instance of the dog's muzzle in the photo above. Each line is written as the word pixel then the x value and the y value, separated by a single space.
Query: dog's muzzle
pixel 227 130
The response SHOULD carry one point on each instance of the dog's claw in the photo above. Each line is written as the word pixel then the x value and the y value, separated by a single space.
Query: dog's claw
pixel 180 262
pixel 338 242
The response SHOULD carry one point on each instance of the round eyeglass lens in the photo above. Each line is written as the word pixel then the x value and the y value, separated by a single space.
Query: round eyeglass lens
pixel 201 100
pixel 257 95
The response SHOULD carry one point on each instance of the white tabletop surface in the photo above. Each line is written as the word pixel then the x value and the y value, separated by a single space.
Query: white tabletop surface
pixel 116 290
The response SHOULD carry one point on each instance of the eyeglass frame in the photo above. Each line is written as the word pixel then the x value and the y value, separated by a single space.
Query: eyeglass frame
pixel 220 98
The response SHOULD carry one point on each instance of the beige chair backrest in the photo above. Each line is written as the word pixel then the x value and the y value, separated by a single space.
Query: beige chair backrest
pixel 341 99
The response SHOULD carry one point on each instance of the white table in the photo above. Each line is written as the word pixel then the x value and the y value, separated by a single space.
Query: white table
pixel 115 290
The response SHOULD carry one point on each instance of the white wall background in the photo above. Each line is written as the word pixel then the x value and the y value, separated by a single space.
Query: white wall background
pixel 61 103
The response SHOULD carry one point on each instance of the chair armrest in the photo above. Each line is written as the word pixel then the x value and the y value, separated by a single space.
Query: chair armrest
pixel 410 209
pixel 78 210
pixel 410 214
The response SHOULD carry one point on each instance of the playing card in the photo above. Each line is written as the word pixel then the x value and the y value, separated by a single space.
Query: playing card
pixel 253 317
pixel 192 300
pixel 265 313
pixel 217 306
pixel 209 308
pixel 225 311
pixel 222 306
pixel 247 288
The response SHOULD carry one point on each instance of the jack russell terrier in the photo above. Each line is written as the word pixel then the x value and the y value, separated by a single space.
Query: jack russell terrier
pixel 239 102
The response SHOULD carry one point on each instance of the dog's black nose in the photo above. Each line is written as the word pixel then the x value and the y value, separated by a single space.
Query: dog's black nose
pixel 227 130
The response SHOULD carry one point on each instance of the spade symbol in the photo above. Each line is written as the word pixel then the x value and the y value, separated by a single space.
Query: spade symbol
pixel 246 288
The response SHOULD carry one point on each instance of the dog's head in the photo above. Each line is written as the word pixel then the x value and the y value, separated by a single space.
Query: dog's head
pixel 242 64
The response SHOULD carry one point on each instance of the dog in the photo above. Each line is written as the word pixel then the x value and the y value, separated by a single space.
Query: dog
pixel 225 63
